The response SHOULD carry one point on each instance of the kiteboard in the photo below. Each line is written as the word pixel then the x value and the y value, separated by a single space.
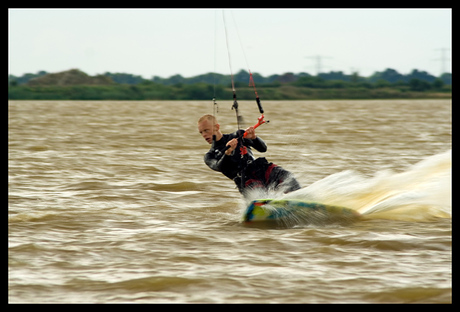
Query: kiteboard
pixel 292 211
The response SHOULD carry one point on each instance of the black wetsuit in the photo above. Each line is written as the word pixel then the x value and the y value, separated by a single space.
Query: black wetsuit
pixel 245 170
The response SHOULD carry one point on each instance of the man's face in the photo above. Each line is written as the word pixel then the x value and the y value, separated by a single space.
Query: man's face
pixel 206 130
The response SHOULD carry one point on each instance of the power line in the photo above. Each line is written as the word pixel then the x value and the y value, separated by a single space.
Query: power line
pixel 443 59
pixel 318 59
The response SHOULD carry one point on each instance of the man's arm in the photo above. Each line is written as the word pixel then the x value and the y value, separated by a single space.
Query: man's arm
pixel 258 144
pixel 254 141
pixel 215 160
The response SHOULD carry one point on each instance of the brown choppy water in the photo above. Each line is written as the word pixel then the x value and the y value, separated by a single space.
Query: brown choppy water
pixel 111 202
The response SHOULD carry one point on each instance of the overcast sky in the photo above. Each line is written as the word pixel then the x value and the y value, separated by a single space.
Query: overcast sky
pixel 189 42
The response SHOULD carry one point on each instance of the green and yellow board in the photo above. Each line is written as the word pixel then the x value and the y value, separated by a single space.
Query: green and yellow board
pixel 296 210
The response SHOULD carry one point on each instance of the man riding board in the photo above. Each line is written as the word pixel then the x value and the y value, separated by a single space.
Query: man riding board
pixel 231 154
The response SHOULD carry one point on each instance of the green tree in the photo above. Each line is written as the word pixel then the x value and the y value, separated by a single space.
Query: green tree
pixel 175 80
pixel 310 82
pixel 388 74
pixel 286 78
pixel 241 76
pixel 446 78
pixel 382 83
pixel 125 78
pixel 354 78
pixel 421 75
pixel 419 85
pixel 437 84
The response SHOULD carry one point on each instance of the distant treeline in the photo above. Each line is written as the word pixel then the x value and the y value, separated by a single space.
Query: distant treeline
pixel 76 85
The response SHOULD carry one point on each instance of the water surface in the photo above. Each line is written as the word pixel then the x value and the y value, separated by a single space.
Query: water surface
pixel 111 202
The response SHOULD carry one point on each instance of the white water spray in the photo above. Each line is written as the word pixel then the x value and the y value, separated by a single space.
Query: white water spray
pixel 420 193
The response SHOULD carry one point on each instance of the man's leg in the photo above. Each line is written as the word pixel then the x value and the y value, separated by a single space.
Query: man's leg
pixel 277 177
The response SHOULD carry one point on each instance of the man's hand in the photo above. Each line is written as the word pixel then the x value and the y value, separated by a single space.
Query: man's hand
pixel 251 133
pixel 233 143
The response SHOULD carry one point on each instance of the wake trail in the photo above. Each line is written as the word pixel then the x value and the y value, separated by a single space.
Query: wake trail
pixel 420 193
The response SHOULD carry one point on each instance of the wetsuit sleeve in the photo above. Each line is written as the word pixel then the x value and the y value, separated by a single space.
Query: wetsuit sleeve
pixel 216 161
pixel 258 144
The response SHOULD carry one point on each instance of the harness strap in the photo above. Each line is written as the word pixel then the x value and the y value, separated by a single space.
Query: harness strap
pixel 253 183
pixel 258 182
pixel 269 171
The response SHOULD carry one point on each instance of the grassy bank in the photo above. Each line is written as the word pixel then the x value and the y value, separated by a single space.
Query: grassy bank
pixel 202 91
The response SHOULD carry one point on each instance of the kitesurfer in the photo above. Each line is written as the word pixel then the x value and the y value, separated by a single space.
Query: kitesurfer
pixel 242 167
